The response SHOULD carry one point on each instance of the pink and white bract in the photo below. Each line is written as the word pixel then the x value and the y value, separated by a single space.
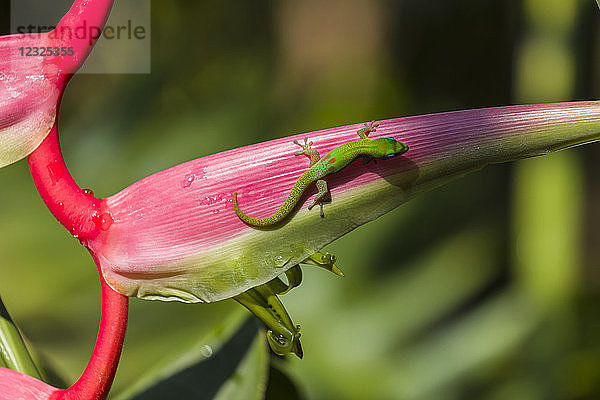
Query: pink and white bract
pixel 31 87
pixel 174 235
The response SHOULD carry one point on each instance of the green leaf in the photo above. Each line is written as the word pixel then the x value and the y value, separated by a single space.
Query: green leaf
pixel 13 351
pixel 230 363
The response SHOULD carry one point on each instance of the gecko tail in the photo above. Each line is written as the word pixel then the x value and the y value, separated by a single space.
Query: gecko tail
pixel 254 221
pixel 283 211
pixel 247 219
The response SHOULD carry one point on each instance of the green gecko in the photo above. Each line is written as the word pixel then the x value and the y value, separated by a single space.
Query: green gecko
pixel 334 161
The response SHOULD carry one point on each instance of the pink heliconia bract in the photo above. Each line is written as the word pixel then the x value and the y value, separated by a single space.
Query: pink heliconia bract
pixel 31 86
pixel 15 385
pixel 174 235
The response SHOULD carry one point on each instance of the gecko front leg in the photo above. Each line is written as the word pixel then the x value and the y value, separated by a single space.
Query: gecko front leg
pixel 369 127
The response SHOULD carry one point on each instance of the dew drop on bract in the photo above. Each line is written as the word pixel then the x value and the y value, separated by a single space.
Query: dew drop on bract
pixel 280 261
pixel 188 180
pixel 206 351
pixel 103 221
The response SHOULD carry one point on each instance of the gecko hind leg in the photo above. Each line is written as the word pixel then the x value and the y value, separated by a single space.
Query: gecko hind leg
pixel 306 146
pixel 321 197
pixel 308 151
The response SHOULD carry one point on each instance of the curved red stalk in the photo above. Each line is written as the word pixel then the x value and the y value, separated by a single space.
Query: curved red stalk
pixel 99 373
pixel 72 206
pixel 83 13
pixel 81 213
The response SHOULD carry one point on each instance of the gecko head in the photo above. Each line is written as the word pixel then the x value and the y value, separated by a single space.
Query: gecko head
pixel 390 147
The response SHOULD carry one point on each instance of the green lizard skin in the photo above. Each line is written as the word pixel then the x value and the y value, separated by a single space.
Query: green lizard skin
pixel 334 161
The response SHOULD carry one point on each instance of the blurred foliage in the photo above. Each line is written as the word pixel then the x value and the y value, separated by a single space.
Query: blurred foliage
pixel 231 363
pixel 14 353
pixel 487 288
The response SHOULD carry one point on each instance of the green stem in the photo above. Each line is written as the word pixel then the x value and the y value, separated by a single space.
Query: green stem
pixel 13 351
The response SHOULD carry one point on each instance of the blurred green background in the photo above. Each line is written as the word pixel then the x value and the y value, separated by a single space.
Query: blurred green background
pixel 497 293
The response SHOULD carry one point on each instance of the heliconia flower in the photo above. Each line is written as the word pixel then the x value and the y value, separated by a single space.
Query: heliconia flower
pixel 175 236
pixel 31 86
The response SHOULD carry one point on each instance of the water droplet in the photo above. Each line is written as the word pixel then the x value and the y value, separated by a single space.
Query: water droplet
pixel 281 340
pixel 60 204
pixel 188 180
pixel 73 230
pixel 88 192
pixel 56 171
pixel 206 351
pixel 280 261
pixel 215 211
pixel 103 221
pixel 279 343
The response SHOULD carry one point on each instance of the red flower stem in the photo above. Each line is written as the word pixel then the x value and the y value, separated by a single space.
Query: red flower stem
pixel 73 207
pixel 97 378
pixel 78 210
